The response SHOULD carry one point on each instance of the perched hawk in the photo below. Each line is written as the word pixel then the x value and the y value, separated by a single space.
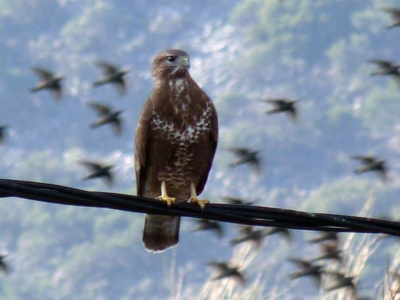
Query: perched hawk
pixel 175 144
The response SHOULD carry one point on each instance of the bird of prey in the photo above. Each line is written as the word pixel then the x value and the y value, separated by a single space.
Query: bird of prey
pixel 107 116
pixel 248 233
pixel 283 105
pixel 225 271
pixel 3 265
pixel 99 170
pixel 112 74
pixel 395 14
pixel 48 81
pixel 330 252
pixel 307 268
pixel 175 143
pixel 326 236
pixel 204 224
pixel 246 156
pixel 3 129
pixel 371 163
pixel 342 281
pixel 237 201
pixel 386 68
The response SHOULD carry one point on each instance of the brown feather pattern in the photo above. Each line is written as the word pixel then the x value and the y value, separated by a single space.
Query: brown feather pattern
pixel 175 142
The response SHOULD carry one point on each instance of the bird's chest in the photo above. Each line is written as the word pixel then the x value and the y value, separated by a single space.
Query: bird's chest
pixel 183 119
pixel 180 136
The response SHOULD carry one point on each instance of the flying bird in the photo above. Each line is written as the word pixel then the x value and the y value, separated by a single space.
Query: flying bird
pixel 395 14
pixel 246 156
pixel 48 81
pixel 237 201
pixel 330 252
pixel 225 271
pixel 342 281
pixel 284 232
pixel 99 170
pixel 371 163
pixel 307 268
pixel 283 105
pixel 386 68
pixel 112 74
pixel 3 129
pixel 204 224
pixel 175 143
pixel 248 233
pixel 4 267
pixel 107 116
pixel 326 236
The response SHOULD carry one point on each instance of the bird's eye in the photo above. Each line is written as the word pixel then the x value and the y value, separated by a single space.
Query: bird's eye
pixel 171 58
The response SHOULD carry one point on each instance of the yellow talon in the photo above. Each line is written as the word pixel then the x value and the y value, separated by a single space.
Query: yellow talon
pixel 164 196
pixel 194 199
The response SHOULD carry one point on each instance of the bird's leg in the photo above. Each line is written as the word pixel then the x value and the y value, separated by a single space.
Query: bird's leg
pixel 164 196
pixel 194 199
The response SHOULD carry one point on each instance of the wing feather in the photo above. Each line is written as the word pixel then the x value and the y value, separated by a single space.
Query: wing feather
pixel 142 145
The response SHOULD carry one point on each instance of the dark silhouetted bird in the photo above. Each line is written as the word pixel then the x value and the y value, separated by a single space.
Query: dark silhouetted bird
pixel 248 233
pixel 204 224
pixel 237 201
pixel 386 68
pixel 307 268
pixel 283 105
pixel 225 271
pixel 330 252
pixel 107 116
pixel 370 163
pixel 246 156
pixel 326 236
pixel 48 81
pixel 342 281
pixel 99 170
pixel 395 14
pixel 3 129
pixel 284 232
pixel 3 265
pixel 112 74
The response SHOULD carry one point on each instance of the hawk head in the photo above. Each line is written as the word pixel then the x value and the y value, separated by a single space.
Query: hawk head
pixel 172 63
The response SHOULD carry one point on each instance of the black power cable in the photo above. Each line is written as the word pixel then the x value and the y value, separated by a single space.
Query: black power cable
pixel 240 214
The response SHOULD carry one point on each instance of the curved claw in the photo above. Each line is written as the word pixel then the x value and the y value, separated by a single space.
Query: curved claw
pixel 164 196
pixel 194 199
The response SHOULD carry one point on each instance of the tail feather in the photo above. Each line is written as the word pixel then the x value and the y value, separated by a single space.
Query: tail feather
pixel 160 232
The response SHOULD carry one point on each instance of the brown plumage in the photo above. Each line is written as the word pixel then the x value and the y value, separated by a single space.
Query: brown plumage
pixel 175 144
pixel 48 81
